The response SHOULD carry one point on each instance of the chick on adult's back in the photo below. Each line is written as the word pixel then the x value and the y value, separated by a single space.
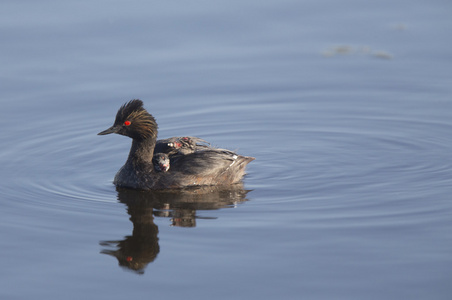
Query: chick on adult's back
pixel 198 165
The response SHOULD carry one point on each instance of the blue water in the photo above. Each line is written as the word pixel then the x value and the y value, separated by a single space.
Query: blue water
pixel 345 105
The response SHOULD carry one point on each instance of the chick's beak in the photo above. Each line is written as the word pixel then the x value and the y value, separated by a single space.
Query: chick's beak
pixel 112 129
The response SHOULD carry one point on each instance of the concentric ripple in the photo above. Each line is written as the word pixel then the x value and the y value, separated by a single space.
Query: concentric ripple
pixel 302 156
pixel 66 167
pixel 57 167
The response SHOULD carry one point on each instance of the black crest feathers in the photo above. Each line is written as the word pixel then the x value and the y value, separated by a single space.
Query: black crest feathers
pixel 143 124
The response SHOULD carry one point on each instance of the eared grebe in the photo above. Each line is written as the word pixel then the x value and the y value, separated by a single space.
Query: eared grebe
pixel 186 161
pixel 182 145
pixel 161 162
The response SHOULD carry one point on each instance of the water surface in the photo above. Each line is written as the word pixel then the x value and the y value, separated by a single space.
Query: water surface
pixel 346 107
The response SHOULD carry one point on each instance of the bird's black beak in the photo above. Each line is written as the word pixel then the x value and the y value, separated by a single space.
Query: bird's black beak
pixel 112 129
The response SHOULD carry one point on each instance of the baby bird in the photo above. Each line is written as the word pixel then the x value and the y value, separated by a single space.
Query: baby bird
pixel 161 162
pixel 181 145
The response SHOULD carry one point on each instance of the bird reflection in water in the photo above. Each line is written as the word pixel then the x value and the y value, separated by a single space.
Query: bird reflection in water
pixel 135 252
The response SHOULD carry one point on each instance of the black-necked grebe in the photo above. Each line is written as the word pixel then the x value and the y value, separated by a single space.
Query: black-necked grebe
pixel 181 145
pixel 161 162
pixel 192 161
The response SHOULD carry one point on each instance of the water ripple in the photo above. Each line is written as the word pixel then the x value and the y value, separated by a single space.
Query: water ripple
pixel 353 155
pixel 299 157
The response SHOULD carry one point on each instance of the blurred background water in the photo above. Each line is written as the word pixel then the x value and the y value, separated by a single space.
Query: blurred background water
pixel 345 105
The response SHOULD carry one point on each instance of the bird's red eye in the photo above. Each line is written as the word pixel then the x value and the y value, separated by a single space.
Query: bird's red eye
pixel 127 123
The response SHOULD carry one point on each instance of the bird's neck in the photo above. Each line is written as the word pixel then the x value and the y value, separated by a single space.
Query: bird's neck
pixel 142 151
